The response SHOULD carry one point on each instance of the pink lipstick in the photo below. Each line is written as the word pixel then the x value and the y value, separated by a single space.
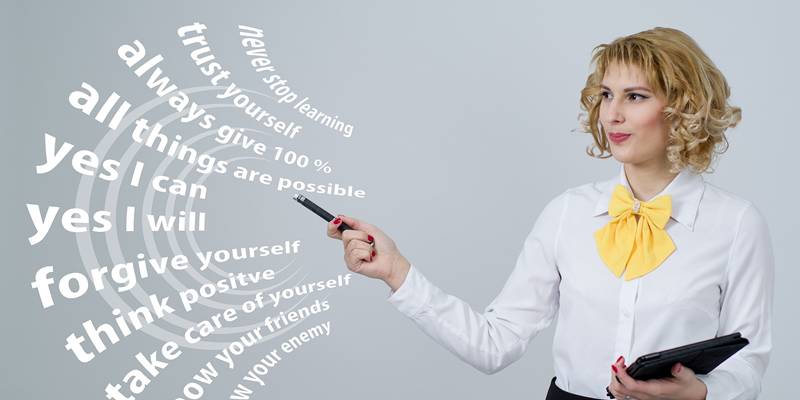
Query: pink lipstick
pixel 618 137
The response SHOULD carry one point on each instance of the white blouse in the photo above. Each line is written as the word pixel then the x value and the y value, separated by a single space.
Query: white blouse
pixel 719 280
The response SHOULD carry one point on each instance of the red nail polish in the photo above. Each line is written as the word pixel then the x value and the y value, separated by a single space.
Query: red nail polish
pixel 614 367
pixel 373 253
pixel 336 221
pixel 620 358
pixel 370 238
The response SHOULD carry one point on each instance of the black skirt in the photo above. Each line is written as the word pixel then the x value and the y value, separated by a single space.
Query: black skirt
pixel 555 393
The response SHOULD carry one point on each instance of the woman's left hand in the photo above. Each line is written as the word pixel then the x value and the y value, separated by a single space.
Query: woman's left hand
pixel 683 385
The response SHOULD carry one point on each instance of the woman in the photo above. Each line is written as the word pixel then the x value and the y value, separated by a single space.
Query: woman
pixel 652 259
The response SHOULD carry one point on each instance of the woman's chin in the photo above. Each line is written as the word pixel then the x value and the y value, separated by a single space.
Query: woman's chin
pixel 623 155
pixel 620 156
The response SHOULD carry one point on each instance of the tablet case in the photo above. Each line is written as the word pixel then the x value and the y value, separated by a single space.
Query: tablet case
pixel 701 357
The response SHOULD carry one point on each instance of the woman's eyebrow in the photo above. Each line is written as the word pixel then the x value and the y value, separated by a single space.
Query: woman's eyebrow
pixel 628 89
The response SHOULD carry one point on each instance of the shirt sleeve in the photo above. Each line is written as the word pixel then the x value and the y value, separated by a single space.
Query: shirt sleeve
pixel 527 303
pixel 746 308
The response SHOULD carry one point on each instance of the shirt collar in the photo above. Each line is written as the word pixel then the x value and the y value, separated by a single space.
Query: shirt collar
pixel 686 190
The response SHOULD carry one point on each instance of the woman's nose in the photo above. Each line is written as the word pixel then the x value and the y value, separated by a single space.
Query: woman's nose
pixel 612 113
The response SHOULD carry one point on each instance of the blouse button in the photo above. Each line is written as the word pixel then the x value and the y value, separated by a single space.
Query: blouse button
pixel 636 205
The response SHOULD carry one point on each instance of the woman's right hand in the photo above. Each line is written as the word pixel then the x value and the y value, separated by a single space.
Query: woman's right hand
pixel 370 252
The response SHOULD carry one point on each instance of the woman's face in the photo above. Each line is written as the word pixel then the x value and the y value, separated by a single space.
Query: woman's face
pixel 630 107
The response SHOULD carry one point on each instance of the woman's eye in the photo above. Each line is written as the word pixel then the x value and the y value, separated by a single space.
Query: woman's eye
pixel 638 95
pixel 633 96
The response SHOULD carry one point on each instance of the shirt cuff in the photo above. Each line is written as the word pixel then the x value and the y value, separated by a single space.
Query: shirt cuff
pixel 412 295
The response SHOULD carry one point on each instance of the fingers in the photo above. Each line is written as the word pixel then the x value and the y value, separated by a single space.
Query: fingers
pixel 356 253
pixel 359 246
pixel 620 392
pixel 619 387
pixel 622 375
pixel 680 372
pixel 629 385
pixel 354 241
pixel 616 387
pixel 617 390
pixel 333 228
pixel 355 258
pixel 350 235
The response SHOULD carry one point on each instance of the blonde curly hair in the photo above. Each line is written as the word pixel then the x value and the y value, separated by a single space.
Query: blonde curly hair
pixel 696 92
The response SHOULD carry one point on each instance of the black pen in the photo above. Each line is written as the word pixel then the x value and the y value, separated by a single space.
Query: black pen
pixel 319 211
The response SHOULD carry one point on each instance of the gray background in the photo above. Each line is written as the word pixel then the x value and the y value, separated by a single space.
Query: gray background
pixel 463 115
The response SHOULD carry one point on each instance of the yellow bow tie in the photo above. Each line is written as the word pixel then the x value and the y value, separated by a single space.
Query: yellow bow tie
pixel 635 245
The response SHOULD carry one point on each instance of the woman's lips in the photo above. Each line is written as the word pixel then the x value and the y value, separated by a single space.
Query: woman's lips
pixel 618 137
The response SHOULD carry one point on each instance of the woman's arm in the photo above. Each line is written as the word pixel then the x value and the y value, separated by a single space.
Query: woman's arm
pixel 746 308
pixel 528 302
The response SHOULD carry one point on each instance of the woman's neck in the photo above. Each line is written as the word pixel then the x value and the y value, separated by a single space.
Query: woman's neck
pixel 648 180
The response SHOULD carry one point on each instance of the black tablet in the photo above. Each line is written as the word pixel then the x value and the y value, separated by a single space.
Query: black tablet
pixel 701 357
